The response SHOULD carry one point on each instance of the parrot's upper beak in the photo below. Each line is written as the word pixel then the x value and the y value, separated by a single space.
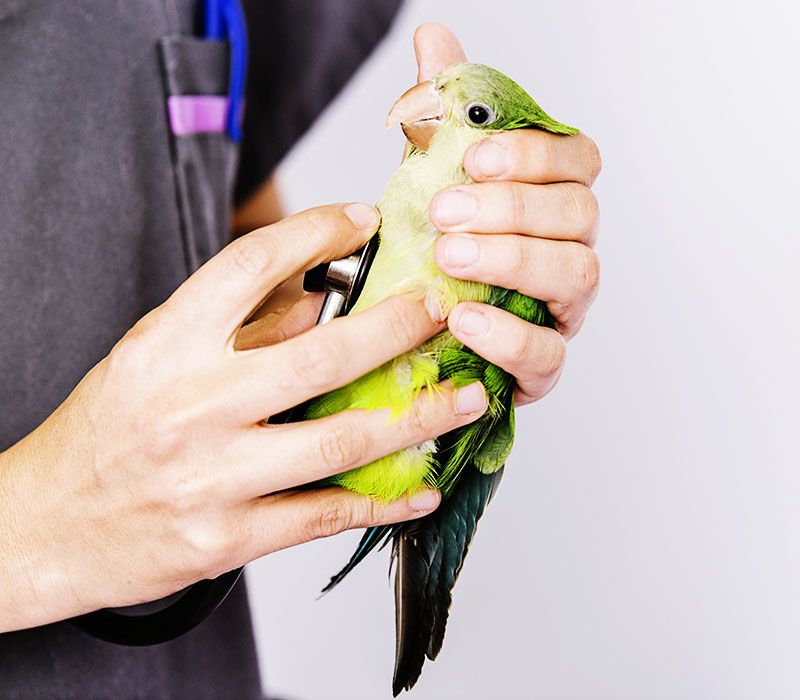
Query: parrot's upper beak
pixel 419 112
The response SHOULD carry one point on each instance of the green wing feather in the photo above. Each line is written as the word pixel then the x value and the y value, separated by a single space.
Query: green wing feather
pixel 487 441
pixel 429 552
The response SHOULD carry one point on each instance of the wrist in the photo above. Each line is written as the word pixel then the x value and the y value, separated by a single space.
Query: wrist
pixel 35 585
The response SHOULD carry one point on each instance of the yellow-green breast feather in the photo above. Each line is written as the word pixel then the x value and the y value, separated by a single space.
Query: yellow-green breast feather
pixel 404 264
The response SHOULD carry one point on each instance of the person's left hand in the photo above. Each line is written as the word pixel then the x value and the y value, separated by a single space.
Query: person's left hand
pixel 528 223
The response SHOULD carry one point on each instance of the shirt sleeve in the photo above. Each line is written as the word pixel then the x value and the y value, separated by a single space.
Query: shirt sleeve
pixel 302 52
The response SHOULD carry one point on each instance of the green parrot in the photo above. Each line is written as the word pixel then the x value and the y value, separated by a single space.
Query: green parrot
pixel 441 118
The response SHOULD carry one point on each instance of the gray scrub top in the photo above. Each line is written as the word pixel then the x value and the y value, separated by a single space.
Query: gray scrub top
pixel 104 212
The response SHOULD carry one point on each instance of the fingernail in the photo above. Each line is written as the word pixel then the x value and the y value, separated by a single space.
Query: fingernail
pixel 363 216
pixel 470 322
pixel 423 501
pixel 470 399
pixel 491 159
pixel 460 251
pixel 454 207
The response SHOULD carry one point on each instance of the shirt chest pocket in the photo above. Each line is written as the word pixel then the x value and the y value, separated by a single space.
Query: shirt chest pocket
pixel 204 158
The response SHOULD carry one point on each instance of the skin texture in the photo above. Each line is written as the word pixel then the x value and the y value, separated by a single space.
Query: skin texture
pixel 153 473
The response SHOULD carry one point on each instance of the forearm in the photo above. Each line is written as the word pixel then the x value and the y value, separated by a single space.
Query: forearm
pixel 262 208
pixel 35 581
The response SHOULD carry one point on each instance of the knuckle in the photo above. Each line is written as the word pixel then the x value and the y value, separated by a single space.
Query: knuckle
pixel 399 321
pixel 133 355
pixel 206 546
pixel 586 271
pixel 343 447
pixel 190 496
pixel 334 517
pixel 252 254
pixel 161 434
pixel 592 212
pixel 316 364
pixel 370 513
pixel 519 347
pixel 538 154
pixel 548 157
pixel 593 162
pixel 553 354
pixel 584 208
pixel 521 257
pixel 418 418
pixel 518 204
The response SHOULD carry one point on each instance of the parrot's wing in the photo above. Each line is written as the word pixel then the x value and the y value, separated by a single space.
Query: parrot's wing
pixel 488 441
pixel 428 554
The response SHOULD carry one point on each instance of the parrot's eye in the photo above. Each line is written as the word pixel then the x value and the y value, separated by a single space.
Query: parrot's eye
pixel 479 114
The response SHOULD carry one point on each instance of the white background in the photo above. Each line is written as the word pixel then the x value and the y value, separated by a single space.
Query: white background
pixel 644 542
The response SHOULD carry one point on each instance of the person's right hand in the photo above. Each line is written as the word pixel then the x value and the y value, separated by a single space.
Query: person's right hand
pixel 159 470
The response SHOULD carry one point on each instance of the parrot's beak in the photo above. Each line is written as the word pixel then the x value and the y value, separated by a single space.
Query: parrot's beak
pixel 419 112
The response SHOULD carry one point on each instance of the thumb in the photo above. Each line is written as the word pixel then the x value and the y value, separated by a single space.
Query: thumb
pixel 436 48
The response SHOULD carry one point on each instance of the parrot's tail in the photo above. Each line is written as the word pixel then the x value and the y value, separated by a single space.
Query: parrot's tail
pixel 428 554
pixel 373 537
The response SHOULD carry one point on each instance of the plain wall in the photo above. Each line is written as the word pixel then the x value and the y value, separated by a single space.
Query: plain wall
pixel 644 542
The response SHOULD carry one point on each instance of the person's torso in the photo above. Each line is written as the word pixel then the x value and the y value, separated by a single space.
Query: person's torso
pixel 94 232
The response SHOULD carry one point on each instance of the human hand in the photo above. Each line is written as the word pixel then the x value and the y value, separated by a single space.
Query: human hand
pixel 158 470
pixel 529 223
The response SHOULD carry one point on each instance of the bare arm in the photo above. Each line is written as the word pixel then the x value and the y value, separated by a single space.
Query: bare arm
pixel 262 208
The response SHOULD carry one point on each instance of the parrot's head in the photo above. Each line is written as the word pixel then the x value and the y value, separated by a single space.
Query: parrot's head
pixel 471 96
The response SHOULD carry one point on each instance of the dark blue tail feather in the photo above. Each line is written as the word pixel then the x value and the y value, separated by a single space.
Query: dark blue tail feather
pixel 373 536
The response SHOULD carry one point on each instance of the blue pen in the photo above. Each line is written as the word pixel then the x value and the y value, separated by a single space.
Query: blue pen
pixel 212 20
pixel 224 19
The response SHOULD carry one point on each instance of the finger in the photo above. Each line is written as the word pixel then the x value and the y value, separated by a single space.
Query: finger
pixel 288 519
pixel 563 273
pixel 307 451
pixel 534 156
pixel 565 211
pixel 436 48
pixel 280 325
pixel 222 293
pixel 533 354
pixel 267 381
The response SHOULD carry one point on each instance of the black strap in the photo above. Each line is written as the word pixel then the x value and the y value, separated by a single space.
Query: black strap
pixel 194 606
